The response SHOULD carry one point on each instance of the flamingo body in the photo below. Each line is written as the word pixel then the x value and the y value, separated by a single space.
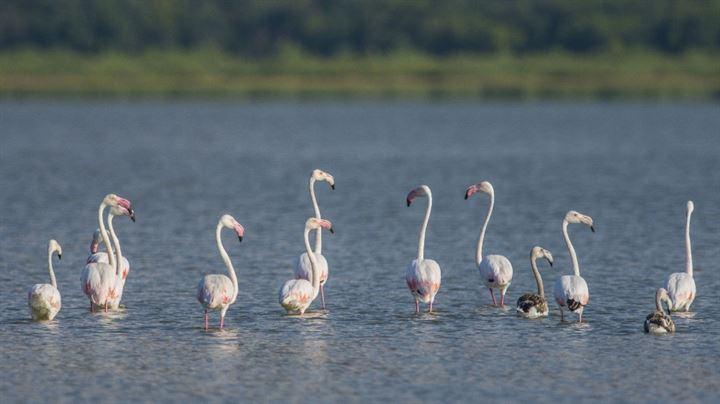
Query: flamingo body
pixel 215 292
pixel 98 283
pixel 496 272
pixel 532 305
pixel 296 295
pixel 423 279
pixel 44 301
pixel 571 291
pixel 303 270
pixel 681 288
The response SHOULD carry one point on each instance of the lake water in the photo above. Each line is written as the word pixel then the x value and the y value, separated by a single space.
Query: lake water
pixel 631 167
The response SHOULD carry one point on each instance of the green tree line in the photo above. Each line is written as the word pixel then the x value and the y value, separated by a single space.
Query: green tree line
pixel 362 27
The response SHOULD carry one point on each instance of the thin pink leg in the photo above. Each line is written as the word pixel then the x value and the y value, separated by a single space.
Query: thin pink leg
pixel 322 296
pixel 493 296
pixel 430 310
pixel 580 318
pixel 222 322
pixel 206 320
pixel 502 298
pixel 106 307
pixel 417 306
pixel 92 308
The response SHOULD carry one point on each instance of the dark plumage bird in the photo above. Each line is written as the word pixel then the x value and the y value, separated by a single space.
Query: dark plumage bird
pixel 659 322
pixel 534 305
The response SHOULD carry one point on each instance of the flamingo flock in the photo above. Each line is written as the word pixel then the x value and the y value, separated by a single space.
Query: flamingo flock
pixel 104 276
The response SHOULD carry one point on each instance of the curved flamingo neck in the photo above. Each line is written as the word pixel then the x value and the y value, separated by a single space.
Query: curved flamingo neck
pixel 53 281
pixel 573 256
pixel 658 301
pixel 226 259
pixel 538 279
pixel 116 244
pixel 481 240
pixel 104 234
pixel 688 247
pixel 313 264
pixel 316 208
pixel 423 228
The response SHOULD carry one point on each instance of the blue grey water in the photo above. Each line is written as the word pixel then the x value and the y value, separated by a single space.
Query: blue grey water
pixel 630 166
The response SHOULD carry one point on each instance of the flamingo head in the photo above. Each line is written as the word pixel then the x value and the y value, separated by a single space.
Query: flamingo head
pixel 576 217
pixel 119 206
pixel 422 190
pixel 320 175
pixel 483 186
pixel 54 247
pixel 314 223
pixel 690 207
pixel 95 242
pixel 230 222
pixel 539 252
pixel 661 295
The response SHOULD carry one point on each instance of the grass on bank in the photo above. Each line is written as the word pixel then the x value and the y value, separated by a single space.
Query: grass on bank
pixel 207 73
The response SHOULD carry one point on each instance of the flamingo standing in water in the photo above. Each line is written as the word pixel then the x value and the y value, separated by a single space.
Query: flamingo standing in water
pixel 218 292
pixel 303 268
pixel 681 285
pixel 534 305
pixel 495 270
pixel 98 279
pixel 423 276
pixel 571 291
pixel 44 299
pixel 296 294
pixel 658 322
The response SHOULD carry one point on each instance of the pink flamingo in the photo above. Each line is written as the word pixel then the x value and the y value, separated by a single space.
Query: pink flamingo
pixel 296 295
pixel 44 299
pixel 571 291
pixel 218 292
pixel 98 279
pixel 423 276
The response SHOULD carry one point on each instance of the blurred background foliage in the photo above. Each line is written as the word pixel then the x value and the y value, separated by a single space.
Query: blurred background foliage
pixel 433 46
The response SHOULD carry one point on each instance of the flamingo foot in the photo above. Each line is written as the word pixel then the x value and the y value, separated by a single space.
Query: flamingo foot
pixel 206 320
pixel 322 296
pixel 492 294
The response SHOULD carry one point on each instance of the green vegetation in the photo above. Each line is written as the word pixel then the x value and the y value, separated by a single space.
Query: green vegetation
pixel 214 73
pixel 366 48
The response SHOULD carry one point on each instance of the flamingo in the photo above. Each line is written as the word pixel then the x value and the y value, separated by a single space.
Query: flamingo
pixel 218 292
pixel 423 276
pixel 534 305
pixel 44 299
pixel 98 279
pixel 681 285
pixel 296 294
pixel 303 269
pixel 121 273
pixel 495 270
pixel 658 322
pixel 572 290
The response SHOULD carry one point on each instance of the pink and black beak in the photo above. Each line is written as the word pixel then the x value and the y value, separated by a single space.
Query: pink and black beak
pixel 127 205
pixel 470 191
pixel 592 228
pixel 240 231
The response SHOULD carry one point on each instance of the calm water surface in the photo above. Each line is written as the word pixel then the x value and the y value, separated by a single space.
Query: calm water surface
pixel 631 167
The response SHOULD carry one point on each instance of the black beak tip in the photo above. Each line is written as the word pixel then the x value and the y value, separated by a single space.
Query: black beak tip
pixel 466 195
pixel 332 230
pixel 408 203
pixel 59 256
pixel 240 238
pixel 550 263
pixel 592 228
pixel 332 186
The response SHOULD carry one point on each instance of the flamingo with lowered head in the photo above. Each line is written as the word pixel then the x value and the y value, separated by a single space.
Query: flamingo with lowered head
pixel 218 292
pixel 534 305
pixel 303 268
pixel 296 294
pixel 44 299
pixel 571 291
pixel 423 276
pixel 681 285
pixel 658 322
pixel 495 270
pixel 98 279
